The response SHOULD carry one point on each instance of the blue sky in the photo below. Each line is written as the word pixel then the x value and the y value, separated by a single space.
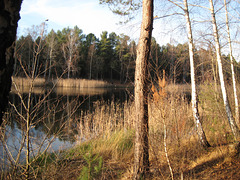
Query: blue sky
pixel 88 15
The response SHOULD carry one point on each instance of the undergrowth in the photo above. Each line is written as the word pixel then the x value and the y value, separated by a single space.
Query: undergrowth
pixel 109 153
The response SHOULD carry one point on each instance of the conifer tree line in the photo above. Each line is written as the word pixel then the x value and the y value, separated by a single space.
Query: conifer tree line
pixel 70 53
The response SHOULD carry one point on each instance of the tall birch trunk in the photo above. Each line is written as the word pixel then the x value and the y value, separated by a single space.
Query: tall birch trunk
pixel 201 135
pixel 231 120
pixel 232 67
pixel 141 156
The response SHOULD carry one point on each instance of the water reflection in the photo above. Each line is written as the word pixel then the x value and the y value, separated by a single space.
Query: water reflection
pixel 62 91
pixel 53 114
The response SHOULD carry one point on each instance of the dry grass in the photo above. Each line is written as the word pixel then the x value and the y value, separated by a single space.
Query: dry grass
pixel 105 119
pixel 178 88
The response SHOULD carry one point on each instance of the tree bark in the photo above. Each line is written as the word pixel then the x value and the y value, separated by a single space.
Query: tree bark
pixel 9 16
pixel 141 156
pixel 231 120
pixel 232 67
pixel 198 124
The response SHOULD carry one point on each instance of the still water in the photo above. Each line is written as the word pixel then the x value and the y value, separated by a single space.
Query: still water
pixel 53 116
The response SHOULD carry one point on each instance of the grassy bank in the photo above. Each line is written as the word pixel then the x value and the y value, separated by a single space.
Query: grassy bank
pixel 111 157
pixel 105 142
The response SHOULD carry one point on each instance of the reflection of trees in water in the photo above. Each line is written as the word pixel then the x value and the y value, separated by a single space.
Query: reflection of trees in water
pixel 59 114
pixel 50 117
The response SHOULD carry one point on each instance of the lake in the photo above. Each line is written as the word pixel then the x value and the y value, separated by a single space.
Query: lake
pixel 53 114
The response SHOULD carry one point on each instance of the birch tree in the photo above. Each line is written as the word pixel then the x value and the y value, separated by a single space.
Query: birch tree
pixel 52 42
pixel 232 67
pixel 231 120
pixel 200 132
pixel 70 49
pixel 141 156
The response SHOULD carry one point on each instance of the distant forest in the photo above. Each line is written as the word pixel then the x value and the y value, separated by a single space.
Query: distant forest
pixel 71 54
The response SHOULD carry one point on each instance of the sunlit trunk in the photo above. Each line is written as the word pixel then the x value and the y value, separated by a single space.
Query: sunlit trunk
pixel 200 132
pixel 231 120
pixel 141 156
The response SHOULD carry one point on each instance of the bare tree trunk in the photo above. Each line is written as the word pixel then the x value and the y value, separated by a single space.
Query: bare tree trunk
pixel 232 67
pixel 9 13
pixel 231 120
pixel 91 49
pixel 200 132
pixel 50 62
pixel 141 156
pixel 52 44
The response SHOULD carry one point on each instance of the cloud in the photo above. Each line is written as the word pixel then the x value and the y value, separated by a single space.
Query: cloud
pixel 87 15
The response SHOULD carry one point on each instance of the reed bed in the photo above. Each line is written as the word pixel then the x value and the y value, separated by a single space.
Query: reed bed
pixel 27 82
pixel 80 83
pixel 105 119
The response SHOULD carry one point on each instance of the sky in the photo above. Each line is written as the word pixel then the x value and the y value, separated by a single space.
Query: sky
pixel 88 15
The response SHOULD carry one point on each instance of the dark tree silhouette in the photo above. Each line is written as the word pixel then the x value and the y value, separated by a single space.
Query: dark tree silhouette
pixel 9 16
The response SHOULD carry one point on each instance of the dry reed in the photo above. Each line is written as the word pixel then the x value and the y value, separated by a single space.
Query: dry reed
pixel 81 83
pixel 105 119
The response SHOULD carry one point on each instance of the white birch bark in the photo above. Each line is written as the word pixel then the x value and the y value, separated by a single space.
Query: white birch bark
pixel 232 67
pixel 198 124
pixel 231 120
